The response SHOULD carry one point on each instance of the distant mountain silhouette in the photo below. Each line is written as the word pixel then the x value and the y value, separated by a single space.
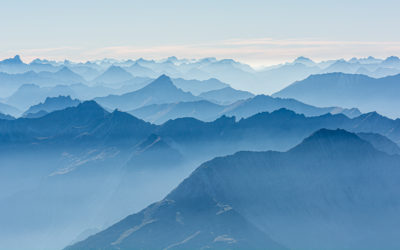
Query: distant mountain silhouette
pixel 238 75
pixel 161 90
pixel 13 65
pixel 262 130
pixel 6 117
pixel 367 94
pixel 207 111
pixel 326 193
pixel 197 87
pixel 381 143
pixel 113 74
pixel 11 82
pixel 9 110
pixel 160 113
pixel 65 74
pixel 263 103
pixel 31 94
pixel 226 95
pixel 138 70
pixel 51 104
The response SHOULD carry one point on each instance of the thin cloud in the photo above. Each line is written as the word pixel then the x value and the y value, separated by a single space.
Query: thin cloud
pixel 257 52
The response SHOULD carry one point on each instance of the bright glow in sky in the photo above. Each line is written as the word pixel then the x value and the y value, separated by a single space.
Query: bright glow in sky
pixel 255 32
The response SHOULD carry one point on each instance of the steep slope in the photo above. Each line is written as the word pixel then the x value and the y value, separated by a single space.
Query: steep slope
pixel 347 90
pixel 161 90
pixel 332 191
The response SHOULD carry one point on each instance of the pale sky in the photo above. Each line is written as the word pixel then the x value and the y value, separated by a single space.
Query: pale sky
pixel 255 32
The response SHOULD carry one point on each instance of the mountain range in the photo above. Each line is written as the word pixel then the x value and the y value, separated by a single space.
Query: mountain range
pixel 111 163
pixel 238 75
pixel 161 90
pixel 51 104
pixel 333 190
pixel 84 144
pixel 348 90
pixel 208 111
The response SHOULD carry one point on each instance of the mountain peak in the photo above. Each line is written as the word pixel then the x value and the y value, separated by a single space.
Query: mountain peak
pixel 15 60
pixel 162 81
pixel 90 105
pixel 115 68
pixel 303 59
pixel 114 74
pixel 332 142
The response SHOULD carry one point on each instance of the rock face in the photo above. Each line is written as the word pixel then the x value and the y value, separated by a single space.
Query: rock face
pixel 332 191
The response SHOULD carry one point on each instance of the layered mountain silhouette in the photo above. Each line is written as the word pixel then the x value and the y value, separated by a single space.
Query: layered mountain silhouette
pixel 6 117
pixel 238 75
pixel 226 95
pixel 95 123
pixel 161 90
pixel 334 190
pixel 114 74
pixel 381 143
pixel 160 113
pixel 347 90
pixel 72 167
pixel 208 111
pixel 115 157
pixel 11 82
pixel 31 94
pixel 196 87
pixel 9 110
pixel 51 104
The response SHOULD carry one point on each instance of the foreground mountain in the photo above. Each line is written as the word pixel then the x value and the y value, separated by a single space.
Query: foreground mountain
pixel 366 93
pixel 110 164
pixel 332 191
pixel 52 104
pixel 208 111
pixel 161 90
